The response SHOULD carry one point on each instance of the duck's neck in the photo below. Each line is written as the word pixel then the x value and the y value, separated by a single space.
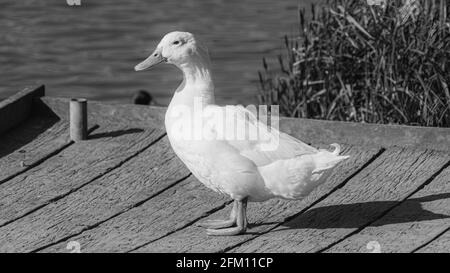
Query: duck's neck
pixel 197 84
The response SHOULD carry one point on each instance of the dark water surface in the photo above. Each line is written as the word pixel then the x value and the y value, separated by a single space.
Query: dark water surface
pixel 90 50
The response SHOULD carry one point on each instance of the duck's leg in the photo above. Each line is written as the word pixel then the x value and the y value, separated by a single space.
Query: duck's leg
pixel 214 224
pixel 241 222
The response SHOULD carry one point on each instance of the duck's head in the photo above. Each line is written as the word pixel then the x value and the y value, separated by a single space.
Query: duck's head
pixel 178 48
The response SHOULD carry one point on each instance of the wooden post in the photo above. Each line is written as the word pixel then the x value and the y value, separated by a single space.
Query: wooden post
pixel 78 119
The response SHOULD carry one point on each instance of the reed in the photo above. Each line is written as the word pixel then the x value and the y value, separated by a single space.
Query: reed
pixel 357 62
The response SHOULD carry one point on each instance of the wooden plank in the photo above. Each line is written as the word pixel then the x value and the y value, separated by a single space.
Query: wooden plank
pixel 439 245
pixel 415 222
pixel 18 107
pixel 309 130
pixel 364 134
pixel 72 168
pixel 262 216
pixel 99 113
pixel 172 210
pixel 136 181
pixel 29 143
pixel 392 177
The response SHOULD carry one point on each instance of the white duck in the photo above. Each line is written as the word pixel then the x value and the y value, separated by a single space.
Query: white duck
pixel 246 169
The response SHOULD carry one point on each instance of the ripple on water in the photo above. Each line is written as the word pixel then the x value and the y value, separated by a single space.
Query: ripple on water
pixel 91 50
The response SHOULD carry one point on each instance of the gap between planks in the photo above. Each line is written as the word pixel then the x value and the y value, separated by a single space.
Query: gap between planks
pixel 56 198
pixel 383 180
pixel 44 158
pixel 113 216
pixel 184 226
pixel 372 159
pixel 89 235
pixel 435 238
pixel 98 200
pixel 338 186
pixel 427 182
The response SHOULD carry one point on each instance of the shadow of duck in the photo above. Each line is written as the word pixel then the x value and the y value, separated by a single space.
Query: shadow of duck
pixel 356 215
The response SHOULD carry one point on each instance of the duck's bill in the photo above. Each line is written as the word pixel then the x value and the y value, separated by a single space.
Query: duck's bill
pixel 152 60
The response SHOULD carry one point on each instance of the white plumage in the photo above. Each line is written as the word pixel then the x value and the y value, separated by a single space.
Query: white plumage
pixel 220 153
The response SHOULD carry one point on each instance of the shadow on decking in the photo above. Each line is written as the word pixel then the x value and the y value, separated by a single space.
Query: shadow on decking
pixel 116 133
pixel 356 215
pixel 24 133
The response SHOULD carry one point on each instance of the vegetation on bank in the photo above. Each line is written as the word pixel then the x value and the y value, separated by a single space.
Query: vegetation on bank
pixel 352 61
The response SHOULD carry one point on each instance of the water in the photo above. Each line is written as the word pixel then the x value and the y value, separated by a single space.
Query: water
pixel 90 51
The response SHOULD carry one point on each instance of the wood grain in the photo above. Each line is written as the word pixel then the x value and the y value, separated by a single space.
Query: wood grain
pixel 364 134
pixel 415 222
pixel 99 113
pixel 439 245
pixel 18 107
pixel 72 168
pixel 117 192
pixel 136 181
pixel 308 130
pixel 167 212
pixel 392 177
pixel 29 143
pixel 262 216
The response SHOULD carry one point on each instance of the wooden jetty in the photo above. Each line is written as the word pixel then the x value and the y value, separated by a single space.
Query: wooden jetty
pixel 124 190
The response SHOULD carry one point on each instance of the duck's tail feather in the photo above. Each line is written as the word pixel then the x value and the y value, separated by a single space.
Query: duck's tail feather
pixel 337 148
pixel 327 160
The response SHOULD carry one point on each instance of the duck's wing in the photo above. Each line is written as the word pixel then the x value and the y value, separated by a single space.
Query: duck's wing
pixel 260 143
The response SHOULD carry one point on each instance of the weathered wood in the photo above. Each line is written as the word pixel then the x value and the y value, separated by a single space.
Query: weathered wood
pixel 415 222
pixel 29 143
pixel 439 245
pixel 262 216
pixel 323 131
pixel 100 113
pixel 173 209
pixel 363 134
pixel 391 178
pixel 136 181
pixel 78 119
pixel 17 108
pixel 117 192
pixel 72 168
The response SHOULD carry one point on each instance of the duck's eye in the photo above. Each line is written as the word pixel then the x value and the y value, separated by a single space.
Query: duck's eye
pixel 176 42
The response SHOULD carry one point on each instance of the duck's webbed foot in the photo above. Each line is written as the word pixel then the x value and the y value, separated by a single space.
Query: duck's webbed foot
pixel 216 224
pixel 226 231
pixel 240 219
